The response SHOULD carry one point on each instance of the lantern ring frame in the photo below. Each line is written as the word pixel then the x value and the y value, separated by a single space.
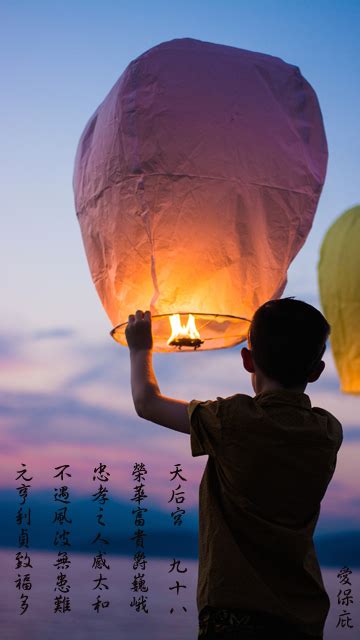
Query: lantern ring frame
pixel 212 335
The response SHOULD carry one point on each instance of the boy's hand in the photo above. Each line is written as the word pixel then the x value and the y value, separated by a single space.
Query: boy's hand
pixel 138 331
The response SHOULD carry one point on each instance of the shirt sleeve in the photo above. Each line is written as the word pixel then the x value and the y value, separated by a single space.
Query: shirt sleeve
pixel 334 427
pixel 205 427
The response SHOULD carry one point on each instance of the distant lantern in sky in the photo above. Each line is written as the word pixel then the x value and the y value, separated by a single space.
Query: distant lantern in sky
pixel 339 282
pixel 196 182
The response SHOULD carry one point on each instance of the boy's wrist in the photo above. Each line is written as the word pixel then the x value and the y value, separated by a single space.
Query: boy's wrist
pixel 140 350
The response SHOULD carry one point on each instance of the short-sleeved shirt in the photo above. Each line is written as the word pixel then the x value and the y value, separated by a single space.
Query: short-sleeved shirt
pixel 271 459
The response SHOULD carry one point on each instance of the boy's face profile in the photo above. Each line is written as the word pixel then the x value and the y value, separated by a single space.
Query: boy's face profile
pixel 249 365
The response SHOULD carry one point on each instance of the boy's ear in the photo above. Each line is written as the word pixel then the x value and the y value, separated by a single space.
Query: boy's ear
pixel 315 375
pixel 247 360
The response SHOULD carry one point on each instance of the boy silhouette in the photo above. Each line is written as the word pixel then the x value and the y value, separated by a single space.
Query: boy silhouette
pixel 271 458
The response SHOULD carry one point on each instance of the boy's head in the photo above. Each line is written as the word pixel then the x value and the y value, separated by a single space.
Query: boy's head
pixel 287 339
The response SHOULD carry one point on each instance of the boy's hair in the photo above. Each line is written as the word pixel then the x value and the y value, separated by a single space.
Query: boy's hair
pixel 288 339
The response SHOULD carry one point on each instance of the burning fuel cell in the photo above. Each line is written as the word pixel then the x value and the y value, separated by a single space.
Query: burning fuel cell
pixel 184 336
pixel 196 182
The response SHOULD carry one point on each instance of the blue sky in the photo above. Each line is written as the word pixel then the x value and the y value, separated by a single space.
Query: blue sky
pixel 58 61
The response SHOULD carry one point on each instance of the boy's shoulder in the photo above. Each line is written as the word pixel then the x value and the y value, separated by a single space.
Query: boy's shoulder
pixel 334 426
pixel 221 403
pixel 240 405
pixel 222 410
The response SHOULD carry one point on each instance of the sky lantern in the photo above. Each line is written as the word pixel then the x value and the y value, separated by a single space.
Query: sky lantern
pixel 339 282
pixel 196 182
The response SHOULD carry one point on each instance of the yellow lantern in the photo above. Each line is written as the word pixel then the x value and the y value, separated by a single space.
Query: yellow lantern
pixel 196 182
pixel 339 282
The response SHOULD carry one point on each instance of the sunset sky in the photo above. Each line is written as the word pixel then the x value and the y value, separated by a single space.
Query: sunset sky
pixel 64 383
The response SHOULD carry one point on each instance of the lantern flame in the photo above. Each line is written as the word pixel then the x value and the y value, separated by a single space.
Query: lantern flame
pixel 184 335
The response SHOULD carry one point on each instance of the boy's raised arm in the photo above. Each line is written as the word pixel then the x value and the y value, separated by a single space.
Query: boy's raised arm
pixel 148 401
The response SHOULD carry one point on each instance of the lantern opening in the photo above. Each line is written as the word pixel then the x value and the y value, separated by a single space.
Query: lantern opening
pixel 189 331
pixel 184 336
